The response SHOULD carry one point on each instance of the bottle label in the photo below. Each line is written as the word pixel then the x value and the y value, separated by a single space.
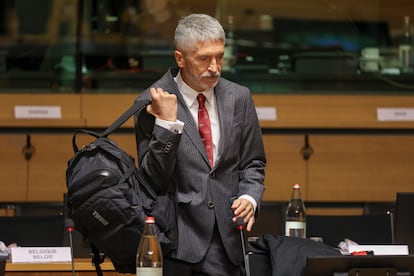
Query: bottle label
pixel 295 229
pixel 149 271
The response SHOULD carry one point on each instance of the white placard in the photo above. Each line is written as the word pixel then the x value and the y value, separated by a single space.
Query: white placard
pixel 37 112
pixel 40 255
pixel 395 114
pixel 266 113
pixel 391 249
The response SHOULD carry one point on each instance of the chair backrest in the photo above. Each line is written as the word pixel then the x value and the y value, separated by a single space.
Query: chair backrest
pixel 42 224
pixel 404 219
pixel 362 229
pixel 32 231
pixel 270 220
pixel 3 258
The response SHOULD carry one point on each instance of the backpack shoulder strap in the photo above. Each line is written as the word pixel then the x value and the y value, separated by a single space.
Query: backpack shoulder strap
pixel 97 259
pixel 140 104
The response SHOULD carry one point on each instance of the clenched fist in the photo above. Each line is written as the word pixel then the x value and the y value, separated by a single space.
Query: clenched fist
pixel 163 105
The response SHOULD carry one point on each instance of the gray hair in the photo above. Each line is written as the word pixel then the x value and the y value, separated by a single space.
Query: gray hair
pixel 196 28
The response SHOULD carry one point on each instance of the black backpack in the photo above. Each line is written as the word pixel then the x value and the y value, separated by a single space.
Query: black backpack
pixel 109 199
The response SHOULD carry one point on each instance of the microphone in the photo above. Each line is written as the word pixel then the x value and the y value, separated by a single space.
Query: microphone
pixel 307 150
pixel 28 149
pixel 240 226
pixel 70 227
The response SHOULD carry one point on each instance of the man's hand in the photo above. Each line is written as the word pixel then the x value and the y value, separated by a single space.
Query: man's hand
pixel 163 105
pixel 243 208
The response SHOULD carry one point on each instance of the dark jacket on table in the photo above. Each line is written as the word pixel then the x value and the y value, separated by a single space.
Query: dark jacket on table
pixel 285 256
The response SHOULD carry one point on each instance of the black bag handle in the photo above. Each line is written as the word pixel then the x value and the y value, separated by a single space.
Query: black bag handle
pixel 90 132
pixel 140 104
pixel 137 107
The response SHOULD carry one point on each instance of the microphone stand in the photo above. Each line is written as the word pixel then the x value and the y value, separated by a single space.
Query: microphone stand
pixel 70 227
pixel 241 225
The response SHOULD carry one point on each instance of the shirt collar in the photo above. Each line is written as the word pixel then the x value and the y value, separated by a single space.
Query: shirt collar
pixel 189 94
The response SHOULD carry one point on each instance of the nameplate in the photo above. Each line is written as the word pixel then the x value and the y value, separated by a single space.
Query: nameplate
pixel 40 254
pixel 37 112
pixel 395 114
pixel 266 113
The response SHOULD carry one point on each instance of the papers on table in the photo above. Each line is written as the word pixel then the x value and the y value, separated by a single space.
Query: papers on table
pixel 391 249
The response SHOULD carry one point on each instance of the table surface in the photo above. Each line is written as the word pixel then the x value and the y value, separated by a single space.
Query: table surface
pixel 80 265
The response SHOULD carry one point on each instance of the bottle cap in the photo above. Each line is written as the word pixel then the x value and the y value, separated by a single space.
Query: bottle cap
pixel 296 186
pixel 150 220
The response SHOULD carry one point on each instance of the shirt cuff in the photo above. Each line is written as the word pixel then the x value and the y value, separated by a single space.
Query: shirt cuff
pixel 251 199
pixel 176 127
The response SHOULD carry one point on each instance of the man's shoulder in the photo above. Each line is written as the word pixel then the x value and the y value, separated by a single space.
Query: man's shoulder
pixel 227 81
pixel 229 84
pixel 167 79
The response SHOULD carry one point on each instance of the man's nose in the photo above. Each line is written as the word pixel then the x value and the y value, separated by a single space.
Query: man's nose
pixel 213 65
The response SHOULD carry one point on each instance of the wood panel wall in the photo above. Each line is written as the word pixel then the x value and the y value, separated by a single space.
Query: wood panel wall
pixel 384 160
pixel 343 167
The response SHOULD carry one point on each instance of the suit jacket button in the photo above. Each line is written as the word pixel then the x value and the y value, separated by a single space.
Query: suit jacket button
pixel 167 147
pixel 210 204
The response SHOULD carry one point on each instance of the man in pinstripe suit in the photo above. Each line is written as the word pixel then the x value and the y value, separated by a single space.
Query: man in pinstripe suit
pixel 209 196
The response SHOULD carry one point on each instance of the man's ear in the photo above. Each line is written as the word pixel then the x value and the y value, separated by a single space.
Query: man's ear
pixel 179 58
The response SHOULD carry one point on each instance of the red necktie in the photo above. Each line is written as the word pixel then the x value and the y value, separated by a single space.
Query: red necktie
pixel 204 127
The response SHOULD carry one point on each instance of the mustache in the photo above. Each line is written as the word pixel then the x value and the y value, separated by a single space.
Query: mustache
pixel 210 75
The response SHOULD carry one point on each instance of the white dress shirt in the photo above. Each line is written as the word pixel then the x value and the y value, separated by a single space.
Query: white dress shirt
pixel 190 98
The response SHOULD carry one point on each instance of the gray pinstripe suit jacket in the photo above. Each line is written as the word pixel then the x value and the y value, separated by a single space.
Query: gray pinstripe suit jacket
pixel 178 163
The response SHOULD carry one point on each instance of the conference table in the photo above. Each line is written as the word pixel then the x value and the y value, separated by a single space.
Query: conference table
pixel 324 266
